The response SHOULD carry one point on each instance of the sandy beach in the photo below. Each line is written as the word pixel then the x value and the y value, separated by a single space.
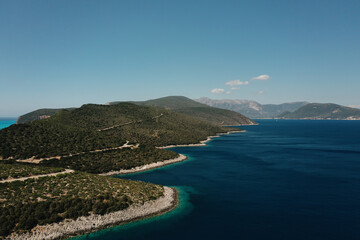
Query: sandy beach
pixel 93 222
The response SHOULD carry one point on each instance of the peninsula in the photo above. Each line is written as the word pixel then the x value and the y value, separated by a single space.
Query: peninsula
pixel 51 183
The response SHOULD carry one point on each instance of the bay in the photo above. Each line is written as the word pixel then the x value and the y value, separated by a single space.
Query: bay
pixel 282 179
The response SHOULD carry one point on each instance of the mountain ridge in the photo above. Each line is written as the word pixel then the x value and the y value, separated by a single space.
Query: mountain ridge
pixel 198 110
pixel 252 109
pixel 328 111
pixel 178 104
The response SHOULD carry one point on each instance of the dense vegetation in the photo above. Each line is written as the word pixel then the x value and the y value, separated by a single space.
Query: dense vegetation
pixel 176 103
pixel 48 137
pixel 198 110
pixel 75 131
pixel 101 162
pixel 24 170
pixel 216 115
pixel 37 114
pixel 323 111
pixel 45 200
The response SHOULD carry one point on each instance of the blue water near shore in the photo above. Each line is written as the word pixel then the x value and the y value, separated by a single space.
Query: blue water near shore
pixel 282 179
pixel 6 122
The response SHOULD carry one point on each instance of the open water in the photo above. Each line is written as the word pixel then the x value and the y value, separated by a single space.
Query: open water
pixel 282 179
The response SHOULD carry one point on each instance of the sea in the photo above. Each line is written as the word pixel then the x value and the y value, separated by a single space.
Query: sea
pixel 281 179
pixel 6 122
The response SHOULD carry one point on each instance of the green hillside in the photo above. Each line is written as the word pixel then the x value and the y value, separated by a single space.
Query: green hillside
pixel 25 204
pixel 93 127
pixel 323 111
pixel 90 139
pixel 38 114
pixel 198 110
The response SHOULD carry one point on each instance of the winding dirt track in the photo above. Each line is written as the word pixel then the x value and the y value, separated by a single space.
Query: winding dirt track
pixel 37 176
pixel 127 123
pixel 38 160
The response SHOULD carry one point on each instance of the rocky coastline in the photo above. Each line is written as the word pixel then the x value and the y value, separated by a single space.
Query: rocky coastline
pixel 146 167
pixel 94 222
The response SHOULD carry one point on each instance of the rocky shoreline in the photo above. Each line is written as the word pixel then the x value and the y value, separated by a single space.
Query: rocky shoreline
pixel 159 164
pixel 202 143
pixel 94 222
pixel 146 167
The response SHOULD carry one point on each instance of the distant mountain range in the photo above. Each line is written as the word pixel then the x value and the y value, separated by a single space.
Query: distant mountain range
pixel 252 109
pixel 295 110
pixel 323 111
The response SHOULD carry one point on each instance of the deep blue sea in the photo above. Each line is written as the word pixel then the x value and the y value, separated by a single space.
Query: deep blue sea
pixel 282 179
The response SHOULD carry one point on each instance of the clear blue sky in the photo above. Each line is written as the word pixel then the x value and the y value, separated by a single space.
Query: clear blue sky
pixel 67 53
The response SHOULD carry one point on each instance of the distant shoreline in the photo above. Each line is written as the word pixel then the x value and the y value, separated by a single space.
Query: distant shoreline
pixel 315 119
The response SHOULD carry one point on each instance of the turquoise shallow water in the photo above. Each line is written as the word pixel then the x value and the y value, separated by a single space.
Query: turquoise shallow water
pixel 279 180
pixel 6 122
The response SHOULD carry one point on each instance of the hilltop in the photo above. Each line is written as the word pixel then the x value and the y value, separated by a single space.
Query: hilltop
pixel 175 103
pixel 252 109
pixel 323 111
pixel 39 114
pixel 198 110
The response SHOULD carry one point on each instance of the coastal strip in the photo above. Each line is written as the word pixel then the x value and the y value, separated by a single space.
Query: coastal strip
pixel 159 164
pixel 201 143
pixel 94 222
pixel 146 166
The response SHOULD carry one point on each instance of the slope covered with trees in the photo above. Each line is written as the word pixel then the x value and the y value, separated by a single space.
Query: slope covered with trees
pixel 95 127
pixel 25 204
pixel 39 114
pixel 93 139
pixel 198 110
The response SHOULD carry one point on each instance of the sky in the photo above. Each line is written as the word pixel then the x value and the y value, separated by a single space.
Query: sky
pixel 67 53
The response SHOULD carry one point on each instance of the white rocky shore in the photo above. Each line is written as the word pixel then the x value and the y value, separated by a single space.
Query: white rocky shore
pixel 94 222
pixel 169 161
pixel 146 166
pixel 201 143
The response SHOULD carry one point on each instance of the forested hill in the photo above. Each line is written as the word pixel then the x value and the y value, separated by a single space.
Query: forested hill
pixel 91 139
pixel 39 114
pixel 323 111
pixel 198 110
pixel 92 127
